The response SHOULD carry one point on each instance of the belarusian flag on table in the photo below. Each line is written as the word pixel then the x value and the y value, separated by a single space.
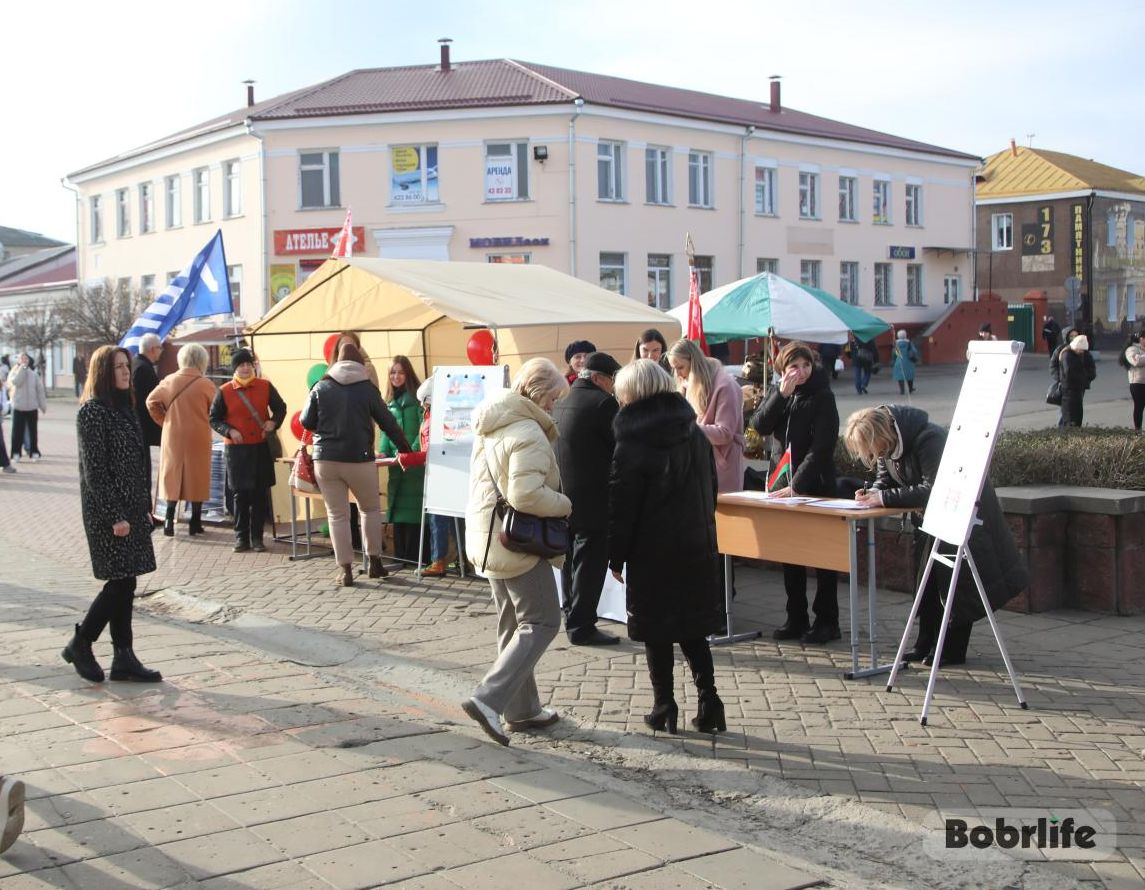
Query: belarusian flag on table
pixel 781 475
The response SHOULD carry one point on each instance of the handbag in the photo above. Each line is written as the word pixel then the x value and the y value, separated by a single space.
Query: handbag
pixel 543 536
pixel 302 475
pixel 273 443
pixel 1054 393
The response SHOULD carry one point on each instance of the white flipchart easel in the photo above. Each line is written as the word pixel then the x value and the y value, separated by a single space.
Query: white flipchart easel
pixel 952 510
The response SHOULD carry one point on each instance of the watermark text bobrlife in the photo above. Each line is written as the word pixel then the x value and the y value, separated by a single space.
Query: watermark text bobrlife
pixel 1028 833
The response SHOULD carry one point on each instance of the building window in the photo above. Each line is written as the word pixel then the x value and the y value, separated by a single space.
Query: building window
pixel 883 284
pixel 914 205
pixel 146 208
pixel 1002 231
pixel 123 286
pixel 700 178
pixel 765 190
pixel 122 214
pixel 849 282
pixel 147 285
pixel 610 171
pixel 96 214
pixel 173 186
pixel 881 209
pixel 413 175
pixel 809 195
pixel 235 277
pixel 766 264
pixel 951 289
pixel 201 188
pixel 318 175
pixel 515 259
pixel 1111 303
pixel 660 280
pixel 705 268
pixel 612 272
pixel 848 186
pixel 171 276
pixel 1111 229
pixel 506 171
pixel 810 272
pixel 1131 302
pixel 232 188
pixel 656 175
pixel 914 284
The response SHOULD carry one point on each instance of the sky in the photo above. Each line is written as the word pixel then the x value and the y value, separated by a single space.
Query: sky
pixel 85 81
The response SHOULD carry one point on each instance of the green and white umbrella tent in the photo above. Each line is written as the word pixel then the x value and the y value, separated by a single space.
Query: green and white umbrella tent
pixel 767 304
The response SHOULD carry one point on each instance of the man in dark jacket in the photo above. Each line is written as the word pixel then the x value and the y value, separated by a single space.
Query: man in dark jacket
pixel 144 378
pixel 584 451
pixel 1051 333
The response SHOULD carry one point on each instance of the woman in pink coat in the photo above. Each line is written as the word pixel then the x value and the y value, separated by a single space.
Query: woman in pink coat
pixel 718 403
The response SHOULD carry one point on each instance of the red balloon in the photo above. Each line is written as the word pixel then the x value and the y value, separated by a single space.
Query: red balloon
pixel 328 348
pixel 480 347
pixel 296 425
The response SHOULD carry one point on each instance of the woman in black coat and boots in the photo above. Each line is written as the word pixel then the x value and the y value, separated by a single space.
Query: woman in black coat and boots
pixel 800 414
pixel 116 514
pixel 906 448
pixel 662 525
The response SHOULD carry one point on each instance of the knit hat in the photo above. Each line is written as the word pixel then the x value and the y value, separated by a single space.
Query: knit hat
pixel 348 352
pixel 577 346
pixel 602 363
pixel 241 357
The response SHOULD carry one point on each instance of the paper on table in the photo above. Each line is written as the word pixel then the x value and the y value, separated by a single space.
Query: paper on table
pixel 772 499
pixel 842 504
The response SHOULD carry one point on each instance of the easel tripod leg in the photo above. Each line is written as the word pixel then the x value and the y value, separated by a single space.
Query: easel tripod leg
pixel 997 633
pixel 937 663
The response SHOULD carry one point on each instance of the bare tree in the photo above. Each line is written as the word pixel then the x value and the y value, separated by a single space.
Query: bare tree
pixel 102 313
pixel 34 327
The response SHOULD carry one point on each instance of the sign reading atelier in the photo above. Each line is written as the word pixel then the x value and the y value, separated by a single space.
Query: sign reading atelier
pixel 515 241
pixel 1077 212
pixel 900 253
pixel 292 242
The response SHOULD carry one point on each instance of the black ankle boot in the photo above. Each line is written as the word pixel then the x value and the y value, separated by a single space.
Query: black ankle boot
pixel 196 525
pixel 169 520
pixel 78 654
pixel 792 630
pixel 663 716
pixel 125 666
pixel 710 714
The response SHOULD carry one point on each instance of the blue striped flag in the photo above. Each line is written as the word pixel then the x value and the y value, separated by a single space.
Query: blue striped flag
pixel 200 289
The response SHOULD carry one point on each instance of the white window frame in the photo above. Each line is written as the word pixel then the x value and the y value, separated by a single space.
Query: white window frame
pixel 914 288
pixel 122 213
pixel 658 175
pixel 811 273
pixel 881 202
pixel 700 179
pixel 808 195
pixel 610 163
pixel 95 218
pixel 884 284
pixel 201 188
pixel 146 208
pixel 765 190
pixel 951 289
pixel 1001 231
pixel 613 266
pixel 331 168
pixel 913 216
pixel 848 192
pixel 235 279
pixel 518 149
pixel 849 282
pixel 706 267
pixel 173 195
pixel 660 281
pixel 1111 313
pixel 147 286
pixel 767 264
pixel 232 188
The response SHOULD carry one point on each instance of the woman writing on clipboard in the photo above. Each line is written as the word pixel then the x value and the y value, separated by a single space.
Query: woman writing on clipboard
pixel 905 449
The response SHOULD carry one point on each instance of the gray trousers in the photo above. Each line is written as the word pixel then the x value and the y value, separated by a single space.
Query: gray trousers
pixel 528 618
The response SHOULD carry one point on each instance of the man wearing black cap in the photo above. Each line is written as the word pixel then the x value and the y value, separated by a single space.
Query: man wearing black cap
pixel 584 452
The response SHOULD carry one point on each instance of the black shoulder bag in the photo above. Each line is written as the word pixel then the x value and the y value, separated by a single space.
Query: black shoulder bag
pixel 544 536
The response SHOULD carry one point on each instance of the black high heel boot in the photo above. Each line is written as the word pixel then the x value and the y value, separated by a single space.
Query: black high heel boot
pixel 710 714
pixel 663 716
pixel 196 525
pixel 169 520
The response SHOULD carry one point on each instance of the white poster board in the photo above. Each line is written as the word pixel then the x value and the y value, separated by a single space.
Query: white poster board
pixel 457 391
pixel 990 369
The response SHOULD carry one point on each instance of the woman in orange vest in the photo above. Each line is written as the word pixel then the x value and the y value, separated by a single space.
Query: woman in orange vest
pixel 245 411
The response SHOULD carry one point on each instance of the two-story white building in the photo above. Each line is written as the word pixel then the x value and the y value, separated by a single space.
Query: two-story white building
pixel 506 161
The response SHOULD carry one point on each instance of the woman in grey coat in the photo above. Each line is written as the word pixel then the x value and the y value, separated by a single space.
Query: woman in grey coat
pixel 116 515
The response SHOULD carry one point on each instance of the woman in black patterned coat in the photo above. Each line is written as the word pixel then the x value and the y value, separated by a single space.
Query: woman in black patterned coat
pixel 116 507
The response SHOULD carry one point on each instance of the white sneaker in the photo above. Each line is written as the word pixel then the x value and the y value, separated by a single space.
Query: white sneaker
pixel 486 718
pixel 11 811
pixel 15 458
pixel 544 717
pixel 35 458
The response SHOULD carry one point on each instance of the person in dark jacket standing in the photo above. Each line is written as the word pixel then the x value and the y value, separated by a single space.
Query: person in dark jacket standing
pixel 905 449
pixel 662 526
pixel 144 378
pixel 584 451
pixel 1051 333
pixel 1078 370
pixel 116 515
pixel 245 411
pixel 341 412
pixel 800 414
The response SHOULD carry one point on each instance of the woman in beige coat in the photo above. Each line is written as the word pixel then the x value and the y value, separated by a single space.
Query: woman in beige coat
pixel 181 404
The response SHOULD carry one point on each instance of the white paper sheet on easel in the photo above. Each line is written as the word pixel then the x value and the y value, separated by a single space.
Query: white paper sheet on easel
pixel 613 604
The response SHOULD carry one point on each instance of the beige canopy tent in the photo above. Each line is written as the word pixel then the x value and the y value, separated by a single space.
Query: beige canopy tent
pixel 428 311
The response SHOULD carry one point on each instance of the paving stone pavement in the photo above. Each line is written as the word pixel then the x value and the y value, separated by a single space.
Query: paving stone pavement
pixel 806 750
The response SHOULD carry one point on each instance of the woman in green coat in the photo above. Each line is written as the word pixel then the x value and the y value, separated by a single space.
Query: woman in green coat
pixel 404 493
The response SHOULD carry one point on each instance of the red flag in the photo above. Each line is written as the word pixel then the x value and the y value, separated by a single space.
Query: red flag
pixel 695 316
pixel 343 245
pixel 782 469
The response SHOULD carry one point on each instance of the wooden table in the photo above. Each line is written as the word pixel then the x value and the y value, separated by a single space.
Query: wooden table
pixel 808 535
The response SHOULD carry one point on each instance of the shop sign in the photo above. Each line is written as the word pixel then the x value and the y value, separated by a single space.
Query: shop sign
pixel 900 253
pixel 1077 213
pixel 292 242
pixel 515 241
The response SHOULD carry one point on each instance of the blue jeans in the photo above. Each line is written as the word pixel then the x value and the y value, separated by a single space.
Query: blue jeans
pixel 440 528
pixel 862 377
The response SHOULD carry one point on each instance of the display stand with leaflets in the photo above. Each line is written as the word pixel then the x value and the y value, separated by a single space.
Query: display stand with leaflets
pixel 952 510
